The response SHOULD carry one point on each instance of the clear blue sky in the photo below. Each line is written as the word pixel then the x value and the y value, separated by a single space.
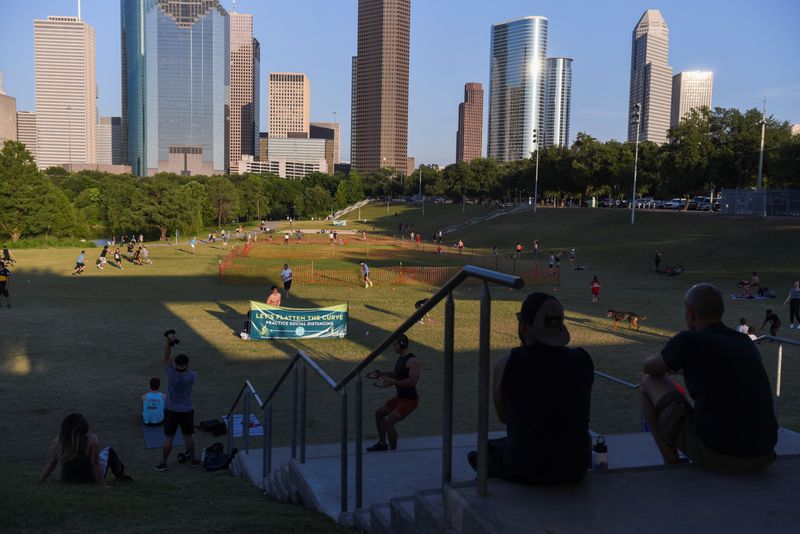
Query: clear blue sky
pixel 752 47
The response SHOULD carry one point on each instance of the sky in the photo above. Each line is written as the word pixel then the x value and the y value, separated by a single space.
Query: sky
pixel 753 47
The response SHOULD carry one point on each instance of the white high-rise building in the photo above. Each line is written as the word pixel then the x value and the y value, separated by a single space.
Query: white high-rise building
pixel 558 101
pixel 245 108
pixel 690 90
pixel 26 131
pixel 651 78
pixel 517 88
pixel 289 104
pixel 66 91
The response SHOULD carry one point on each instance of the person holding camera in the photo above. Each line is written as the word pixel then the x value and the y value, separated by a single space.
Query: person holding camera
pixel 404 378
pixel 179 411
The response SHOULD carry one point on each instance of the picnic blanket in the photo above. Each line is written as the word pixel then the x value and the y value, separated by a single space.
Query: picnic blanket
pixel 754 297
pixel 154 437
pixel 255 425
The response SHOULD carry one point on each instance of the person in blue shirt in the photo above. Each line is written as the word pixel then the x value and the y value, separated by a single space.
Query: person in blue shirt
pixel 80 263
pixel 178 408
pixel 153 404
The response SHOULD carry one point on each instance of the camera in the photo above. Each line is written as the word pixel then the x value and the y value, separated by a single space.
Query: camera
pixel 170 334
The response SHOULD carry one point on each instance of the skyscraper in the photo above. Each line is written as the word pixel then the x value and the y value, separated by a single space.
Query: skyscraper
pixel 558 101
pixel 26 132
pixel 379 127
pixel 289 104
pixel 517 90
pixel 175 85
pixel 651 78
pixel 8 116
pixel 469 137
pixel 330 132
pixel 690 90
pixel 66 91
pixel 245 104
pixel 109 141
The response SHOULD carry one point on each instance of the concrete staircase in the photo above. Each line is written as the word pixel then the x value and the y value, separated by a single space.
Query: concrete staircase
pixel 402 492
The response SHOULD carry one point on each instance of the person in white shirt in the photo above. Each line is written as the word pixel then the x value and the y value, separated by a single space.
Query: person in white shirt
pixel 743 328
pixel 286 278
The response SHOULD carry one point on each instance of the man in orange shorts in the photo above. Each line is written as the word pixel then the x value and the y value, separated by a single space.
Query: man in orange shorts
pixel 404 378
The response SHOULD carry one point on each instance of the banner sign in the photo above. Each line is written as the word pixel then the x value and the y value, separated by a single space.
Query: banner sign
pixel 273 322
pixel 337 222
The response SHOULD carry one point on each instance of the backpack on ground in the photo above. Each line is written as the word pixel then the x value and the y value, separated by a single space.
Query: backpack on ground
pixel 213 457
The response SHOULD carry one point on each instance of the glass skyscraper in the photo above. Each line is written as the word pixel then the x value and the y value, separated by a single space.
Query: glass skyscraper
pixel 558 89
pixel 175 85
pixel 517 90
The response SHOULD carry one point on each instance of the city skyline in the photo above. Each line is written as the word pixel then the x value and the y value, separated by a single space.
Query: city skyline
pixel 748 66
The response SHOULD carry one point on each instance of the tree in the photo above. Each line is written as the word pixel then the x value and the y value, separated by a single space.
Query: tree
pixel 223 198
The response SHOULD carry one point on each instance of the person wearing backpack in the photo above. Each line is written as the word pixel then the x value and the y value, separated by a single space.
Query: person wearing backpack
pixel 153 404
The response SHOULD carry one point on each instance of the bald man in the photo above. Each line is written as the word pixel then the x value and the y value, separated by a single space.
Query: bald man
pixel 731 428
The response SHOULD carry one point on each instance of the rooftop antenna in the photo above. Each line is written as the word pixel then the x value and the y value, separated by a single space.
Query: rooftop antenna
pixel 79 9
pixel 234 6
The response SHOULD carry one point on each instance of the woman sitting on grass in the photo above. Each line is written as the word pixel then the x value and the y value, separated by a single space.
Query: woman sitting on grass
pixel 80 456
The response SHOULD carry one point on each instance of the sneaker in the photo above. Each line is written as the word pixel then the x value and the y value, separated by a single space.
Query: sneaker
pixel 194 463
pixel 378 447
pixel 161 467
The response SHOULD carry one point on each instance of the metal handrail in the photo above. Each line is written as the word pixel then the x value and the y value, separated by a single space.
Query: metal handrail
pixel 299 399
pixel 616 380
pixel 779 364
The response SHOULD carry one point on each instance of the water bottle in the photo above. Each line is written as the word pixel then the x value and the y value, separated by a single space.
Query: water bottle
pixel 600 455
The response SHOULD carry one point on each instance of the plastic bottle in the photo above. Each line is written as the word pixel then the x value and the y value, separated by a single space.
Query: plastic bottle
pixel 600 455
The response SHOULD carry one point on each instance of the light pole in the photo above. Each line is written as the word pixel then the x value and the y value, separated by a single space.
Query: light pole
pixel 763 123
pixel 635 119
pixel 420 191
pixel 536 175
pixel 69 136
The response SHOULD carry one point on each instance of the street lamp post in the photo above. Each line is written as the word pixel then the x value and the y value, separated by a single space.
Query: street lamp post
pixel 763 123
pixel 536 174
pixel 635 119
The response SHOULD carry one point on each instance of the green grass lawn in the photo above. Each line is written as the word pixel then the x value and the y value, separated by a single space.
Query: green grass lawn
pixel 90 343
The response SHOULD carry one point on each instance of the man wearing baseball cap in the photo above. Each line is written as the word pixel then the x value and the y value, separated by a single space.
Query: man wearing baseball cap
pixel 542 391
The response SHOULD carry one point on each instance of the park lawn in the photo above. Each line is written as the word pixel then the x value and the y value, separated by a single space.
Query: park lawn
pixel 89 343
pixel 181 502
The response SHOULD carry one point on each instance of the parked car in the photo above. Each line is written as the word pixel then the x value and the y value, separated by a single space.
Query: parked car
pixel 675 204
pixel 696 202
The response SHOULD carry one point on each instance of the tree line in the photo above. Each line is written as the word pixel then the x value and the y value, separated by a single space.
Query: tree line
pixel 718 148
pixel 710 148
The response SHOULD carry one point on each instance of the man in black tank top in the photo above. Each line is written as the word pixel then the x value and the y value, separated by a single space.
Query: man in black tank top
pixel 404 378
pixel 542 391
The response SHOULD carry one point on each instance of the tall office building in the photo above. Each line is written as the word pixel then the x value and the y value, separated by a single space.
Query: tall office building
pixel 66 91
pixel 329 131
pixel 245 112
pixel 8 116
pixel 690 90
pixel 558 101
pixel 517 90
pixel 109 141
pixel 469 137
pixel 26 131
pixel 175 86
pixel 379 127
pixel 289 104
pixel 651 78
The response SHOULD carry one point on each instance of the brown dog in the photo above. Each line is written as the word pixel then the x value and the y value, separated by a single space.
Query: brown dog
pixel 620 316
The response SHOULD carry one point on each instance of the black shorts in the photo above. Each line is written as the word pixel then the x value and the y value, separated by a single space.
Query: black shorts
pixel 79 265
pixel 173 420
pixel 3 289
pixel 287 285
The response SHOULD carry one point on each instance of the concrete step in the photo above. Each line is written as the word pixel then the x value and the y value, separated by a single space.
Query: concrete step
pixel 666 499
pixel 402 514
pixel 381 518
pixel 429 512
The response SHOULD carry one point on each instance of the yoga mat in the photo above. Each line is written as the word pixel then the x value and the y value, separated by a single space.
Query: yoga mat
pixel 755 297
pixel 154 437
pixel 255 425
